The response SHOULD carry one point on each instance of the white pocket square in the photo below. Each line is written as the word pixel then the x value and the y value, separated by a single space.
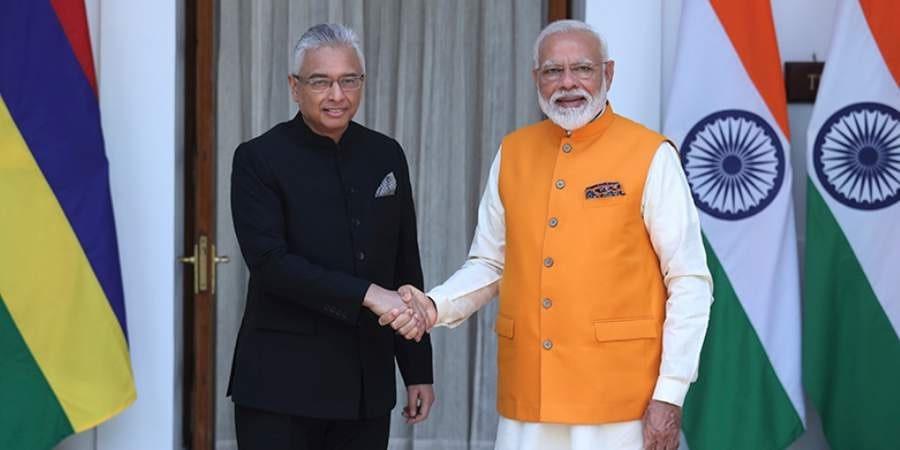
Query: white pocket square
pixel 388 186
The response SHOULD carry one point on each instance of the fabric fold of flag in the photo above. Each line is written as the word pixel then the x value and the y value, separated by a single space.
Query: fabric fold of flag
pixel 728 116
pixel 851 319
pixel 66 365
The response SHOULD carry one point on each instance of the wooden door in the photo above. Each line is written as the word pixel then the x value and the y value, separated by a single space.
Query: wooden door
pixel 200 257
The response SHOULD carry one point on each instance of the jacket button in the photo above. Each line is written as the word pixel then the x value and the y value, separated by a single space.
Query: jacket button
pixel 553 222
pixel 548 262
pixel 567 148
pixel 548 344
pixel 560 184
pixel 547 303
pixel 361 256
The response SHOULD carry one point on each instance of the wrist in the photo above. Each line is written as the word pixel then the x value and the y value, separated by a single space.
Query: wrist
pixel 369 297
pixel 670 390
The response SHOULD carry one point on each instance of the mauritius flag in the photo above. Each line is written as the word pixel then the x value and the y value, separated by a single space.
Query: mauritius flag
pixel 64 361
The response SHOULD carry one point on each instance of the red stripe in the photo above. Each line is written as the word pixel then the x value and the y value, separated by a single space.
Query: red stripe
pixel 882 16
pixel 73 19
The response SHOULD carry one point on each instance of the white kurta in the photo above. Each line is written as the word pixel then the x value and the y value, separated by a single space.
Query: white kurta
pixel 674 229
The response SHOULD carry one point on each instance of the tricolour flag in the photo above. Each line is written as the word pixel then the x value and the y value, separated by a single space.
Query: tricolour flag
pixel 64 361
pixel 851 319
pixel 728 116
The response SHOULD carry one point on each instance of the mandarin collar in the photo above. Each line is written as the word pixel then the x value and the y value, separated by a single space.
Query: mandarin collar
pixel 306 135
pixel 594 128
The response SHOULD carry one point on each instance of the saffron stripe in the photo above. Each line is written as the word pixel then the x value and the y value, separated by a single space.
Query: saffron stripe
pixel 56 111
pixel 881 15
pixel 749 26
pixel 52 293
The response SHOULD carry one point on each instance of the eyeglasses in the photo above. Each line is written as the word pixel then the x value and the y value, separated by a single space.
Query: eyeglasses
pixel 583 71
pixel 322 84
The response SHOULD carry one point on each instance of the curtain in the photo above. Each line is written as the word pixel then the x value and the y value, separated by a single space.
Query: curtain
pixel 447 79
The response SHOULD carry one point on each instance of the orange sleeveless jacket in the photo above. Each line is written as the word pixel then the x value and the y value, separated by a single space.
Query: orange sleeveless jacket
pixel 582 299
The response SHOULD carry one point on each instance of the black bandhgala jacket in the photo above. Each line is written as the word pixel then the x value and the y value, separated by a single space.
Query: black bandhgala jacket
pixel 315 236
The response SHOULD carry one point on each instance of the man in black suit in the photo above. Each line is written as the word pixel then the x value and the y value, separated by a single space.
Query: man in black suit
pixel 324 216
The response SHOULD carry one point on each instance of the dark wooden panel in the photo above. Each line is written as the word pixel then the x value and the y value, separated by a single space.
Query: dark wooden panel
pixel 801 80
pixel 558 10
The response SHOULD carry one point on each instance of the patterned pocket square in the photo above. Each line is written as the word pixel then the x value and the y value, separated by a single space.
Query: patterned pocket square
pixel 388 186
pixel 604 190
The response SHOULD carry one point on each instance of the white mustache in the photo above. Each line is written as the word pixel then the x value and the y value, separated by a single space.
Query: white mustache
pixel 577 92
pixel 577 117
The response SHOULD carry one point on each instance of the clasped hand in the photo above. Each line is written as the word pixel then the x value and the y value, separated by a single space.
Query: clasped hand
pixel 408 310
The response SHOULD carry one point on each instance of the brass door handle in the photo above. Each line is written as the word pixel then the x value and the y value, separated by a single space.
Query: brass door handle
pixel 203 271
pixel 216 261
pixel 192 260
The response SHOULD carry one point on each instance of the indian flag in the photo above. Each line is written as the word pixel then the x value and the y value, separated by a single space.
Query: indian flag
pixel 728 116
pixel 852 310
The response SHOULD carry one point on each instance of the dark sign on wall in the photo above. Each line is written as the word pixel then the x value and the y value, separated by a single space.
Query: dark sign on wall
pixel 801 80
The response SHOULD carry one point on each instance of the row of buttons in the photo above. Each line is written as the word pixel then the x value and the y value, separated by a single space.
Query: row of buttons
pixel 560 184
pixel 547 304
pixel 348 191
pixel 553 223
pixel 334 311
pixel 359 255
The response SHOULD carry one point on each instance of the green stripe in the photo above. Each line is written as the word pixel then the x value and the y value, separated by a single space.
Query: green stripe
pixel 851 353
pixel 737 402
pixel 31 418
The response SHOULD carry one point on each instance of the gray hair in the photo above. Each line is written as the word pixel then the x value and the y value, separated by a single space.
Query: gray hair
pixel 325 35
pixel 563 26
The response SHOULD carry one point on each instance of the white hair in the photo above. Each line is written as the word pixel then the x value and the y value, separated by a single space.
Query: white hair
pixel 324 35
pixel 563 26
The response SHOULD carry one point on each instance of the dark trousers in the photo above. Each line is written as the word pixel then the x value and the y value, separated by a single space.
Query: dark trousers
pixel 262 430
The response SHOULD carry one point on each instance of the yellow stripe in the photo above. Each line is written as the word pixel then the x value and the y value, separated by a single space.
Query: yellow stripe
pixel 53 295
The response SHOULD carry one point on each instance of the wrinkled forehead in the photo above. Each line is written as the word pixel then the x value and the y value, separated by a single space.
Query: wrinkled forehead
pixel 570 47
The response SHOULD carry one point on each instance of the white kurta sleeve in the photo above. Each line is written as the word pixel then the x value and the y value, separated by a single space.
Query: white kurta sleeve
pixel 476 282
pixel 674 227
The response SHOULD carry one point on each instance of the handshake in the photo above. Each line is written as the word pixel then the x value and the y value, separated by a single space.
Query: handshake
pixel 408 310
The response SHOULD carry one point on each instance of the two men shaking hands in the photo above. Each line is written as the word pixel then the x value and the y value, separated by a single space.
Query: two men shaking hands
pixel 408 310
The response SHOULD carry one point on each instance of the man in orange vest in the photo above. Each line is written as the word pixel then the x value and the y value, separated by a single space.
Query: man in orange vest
pixel 588 230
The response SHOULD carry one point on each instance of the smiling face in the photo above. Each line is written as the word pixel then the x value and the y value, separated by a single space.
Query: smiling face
pixel 572 78
pixel 327 113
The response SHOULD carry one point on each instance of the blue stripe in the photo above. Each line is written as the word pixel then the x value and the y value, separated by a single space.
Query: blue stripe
pixel 55 109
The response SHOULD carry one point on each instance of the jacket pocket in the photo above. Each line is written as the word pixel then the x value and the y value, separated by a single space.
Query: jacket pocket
pixel 623 330
pixel 504 326
pixel 608 202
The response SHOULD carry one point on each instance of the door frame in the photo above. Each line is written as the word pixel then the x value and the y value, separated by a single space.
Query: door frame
pixel 558 10
pixel 199 308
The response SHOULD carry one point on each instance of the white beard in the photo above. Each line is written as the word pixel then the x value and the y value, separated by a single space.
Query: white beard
pixel 573 118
